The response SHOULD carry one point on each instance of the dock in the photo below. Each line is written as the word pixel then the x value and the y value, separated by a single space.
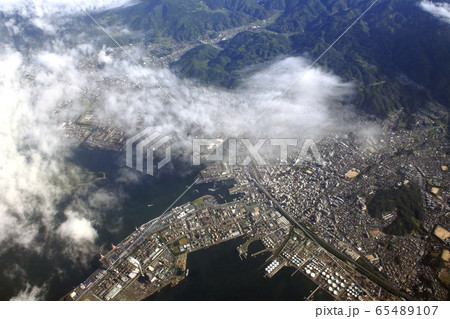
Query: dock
pixel 312 294
pixel 259 252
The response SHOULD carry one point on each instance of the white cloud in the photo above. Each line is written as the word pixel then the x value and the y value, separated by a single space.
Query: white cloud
pixel 41 8
pixel 440 10
pixel 103 200
pixel 306 109
pixel 30 293
pixel 35 176
pixel 77 228
pixel 49 15
pixel 32 174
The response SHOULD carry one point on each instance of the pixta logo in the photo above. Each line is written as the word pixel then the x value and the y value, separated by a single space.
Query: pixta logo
pixel 144 145
pixel 243 151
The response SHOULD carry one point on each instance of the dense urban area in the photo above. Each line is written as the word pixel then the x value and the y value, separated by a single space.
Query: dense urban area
pixel 139 137
pixel 367 222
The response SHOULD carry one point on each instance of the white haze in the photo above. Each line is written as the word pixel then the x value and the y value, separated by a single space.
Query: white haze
pixel 30 293
pixel 305 109
pixel 35 176
pixel 48 15
pixel 440 10
pixel 41 8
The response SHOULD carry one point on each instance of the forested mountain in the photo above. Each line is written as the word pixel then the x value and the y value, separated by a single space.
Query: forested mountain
pixel 184 20
pixel 394 39
pixel 407 202
pixel 211 65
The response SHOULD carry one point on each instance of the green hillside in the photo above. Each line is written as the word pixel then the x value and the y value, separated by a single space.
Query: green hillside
pixel 223 67
pixel 408 203
pixel 184 20
pixel 395 37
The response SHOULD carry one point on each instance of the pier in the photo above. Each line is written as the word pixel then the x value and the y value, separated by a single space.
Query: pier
pixel 259 252
pixel 312 294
